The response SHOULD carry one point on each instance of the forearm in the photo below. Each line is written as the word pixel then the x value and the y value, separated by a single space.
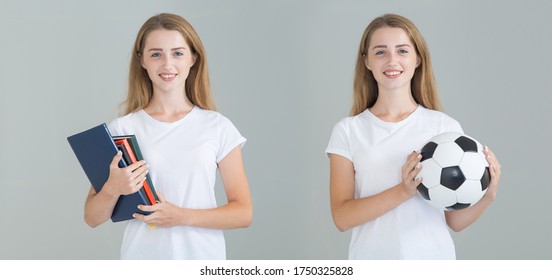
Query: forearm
pixel 98 208
pixel 229 216
pixel 460 219
pixel 354 212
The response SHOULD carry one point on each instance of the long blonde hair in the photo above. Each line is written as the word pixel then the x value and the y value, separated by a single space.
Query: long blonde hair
pixel 423 86
pixel 140 88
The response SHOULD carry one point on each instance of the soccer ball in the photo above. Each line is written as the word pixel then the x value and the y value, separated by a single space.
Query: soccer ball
pixel 455 173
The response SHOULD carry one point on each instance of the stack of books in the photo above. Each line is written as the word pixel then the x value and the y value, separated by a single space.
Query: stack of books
pixel 95 149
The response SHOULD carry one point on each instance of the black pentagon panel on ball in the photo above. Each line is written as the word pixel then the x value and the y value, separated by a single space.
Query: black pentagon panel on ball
pixel 485 179
pixel 452 177
pixel 458 206
pixel 466 144
pixel 424 191
pixel 428 150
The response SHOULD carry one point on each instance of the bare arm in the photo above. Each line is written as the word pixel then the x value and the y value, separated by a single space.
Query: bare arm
pixel 460 219
pixel 99 206
pixel 349 212
pixel 237 213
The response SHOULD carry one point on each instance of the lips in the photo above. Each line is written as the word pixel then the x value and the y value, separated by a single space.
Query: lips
pixel 167 76
pixel 392 73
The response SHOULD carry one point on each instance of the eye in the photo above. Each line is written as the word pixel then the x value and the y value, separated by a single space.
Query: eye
pixel 155 55
pixel 178 53
pixel 380 52
pixel 403 51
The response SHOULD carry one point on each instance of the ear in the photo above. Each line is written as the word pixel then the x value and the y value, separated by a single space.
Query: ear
pixel 141 58
pixel 141 61
pixel 418 61
pixel 365 58
pixel 194 59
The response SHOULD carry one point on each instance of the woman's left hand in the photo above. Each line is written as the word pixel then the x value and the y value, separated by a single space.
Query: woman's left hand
pixel 494 169
pixel 163 213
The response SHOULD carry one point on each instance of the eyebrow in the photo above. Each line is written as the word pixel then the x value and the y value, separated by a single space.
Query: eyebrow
pixel 397 46
pixel 160 49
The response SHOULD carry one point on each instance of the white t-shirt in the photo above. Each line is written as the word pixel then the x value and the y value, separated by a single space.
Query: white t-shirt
pixel 182 158
pixel 378 150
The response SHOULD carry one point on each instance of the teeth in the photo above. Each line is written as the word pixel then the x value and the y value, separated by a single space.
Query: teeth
pixel 168 76
pixel 392 73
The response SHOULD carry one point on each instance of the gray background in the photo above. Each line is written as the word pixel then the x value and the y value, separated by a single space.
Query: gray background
pixel 282 72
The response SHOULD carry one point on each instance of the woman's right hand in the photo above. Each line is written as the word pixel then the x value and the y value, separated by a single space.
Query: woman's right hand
pixel 126 180
pixel 409 171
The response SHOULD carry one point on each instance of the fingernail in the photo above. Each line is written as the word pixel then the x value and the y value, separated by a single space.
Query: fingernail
pixel 134 215
pixel 419 156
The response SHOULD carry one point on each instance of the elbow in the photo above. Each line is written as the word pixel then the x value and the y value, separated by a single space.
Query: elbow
pixel 247 222
pixel 341 218
pixel 90 222
pixel 247 218
pixel 341 228
pixel 456 227
pixel 341 225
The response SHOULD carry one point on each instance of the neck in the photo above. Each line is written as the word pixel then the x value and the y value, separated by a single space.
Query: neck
pixel 394 106
pixel 169 107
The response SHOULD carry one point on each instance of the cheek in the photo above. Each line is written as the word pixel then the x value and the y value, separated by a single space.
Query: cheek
pixel 190 62
pixel 151 75
pixel 148 70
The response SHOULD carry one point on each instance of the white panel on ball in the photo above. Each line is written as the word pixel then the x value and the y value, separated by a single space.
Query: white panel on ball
pixel 470 192
pixel 473 165
pixel 430 174
pixel 445 137
pixel 441 197
pixel 448 154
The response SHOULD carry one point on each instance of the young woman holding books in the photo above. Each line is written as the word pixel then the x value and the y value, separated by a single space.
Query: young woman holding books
pixel 184 141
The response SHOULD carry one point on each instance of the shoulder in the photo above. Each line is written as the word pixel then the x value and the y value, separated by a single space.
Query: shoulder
pixel 213 120
pixel 353 121
pixel 119 123
pixel 210 116
pixel 440 119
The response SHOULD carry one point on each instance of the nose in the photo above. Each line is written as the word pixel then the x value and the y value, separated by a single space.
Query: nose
pixel 393 58
pixel 167 60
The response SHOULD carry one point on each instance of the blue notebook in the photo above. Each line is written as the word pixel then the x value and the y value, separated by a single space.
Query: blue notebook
pixel 95 150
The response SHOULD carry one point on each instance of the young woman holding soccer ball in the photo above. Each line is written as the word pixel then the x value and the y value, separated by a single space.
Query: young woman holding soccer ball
pixel 373 153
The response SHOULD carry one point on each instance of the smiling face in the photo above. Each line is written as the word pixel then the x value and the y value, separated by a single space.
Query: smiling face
pixel 167 58
pixel 392 58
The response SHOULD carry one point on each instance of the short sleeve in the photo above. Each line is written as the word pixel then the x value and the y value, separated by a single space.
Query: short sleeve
pixel 450 125
pixel 340 141
pixel 113 127
pixel 229 137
